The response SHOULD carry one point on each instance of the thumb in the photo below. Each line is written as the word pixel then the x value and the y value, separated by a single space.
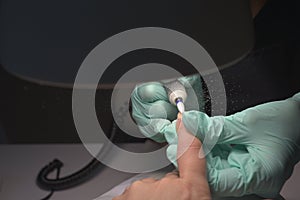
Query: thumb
pixel 191 165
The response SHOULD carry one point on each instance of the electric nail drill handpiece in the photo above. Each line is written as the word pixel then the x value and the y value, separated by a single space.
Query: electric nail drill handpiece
pixel 176 93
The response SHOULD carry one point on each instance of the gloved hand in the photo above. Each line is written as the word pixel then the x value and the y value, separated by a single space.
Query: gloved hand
pixel 256 149
pixel 152 109
pixel 267 146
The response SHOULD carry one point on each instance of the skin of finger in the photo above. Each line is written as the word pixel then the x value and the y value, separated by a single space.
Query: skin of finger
pixel 192 169
pixel 172 175
pixel 148 180
pixel 181 190
pixel 164 189
pixel 138 190
pixel 195 175
pixel 188 146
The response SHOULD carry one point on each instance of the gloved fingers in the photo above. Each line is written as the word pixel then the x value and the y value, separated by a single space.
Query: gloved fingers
pixel 193 86
pixel 162 110
pixel 172 154
pixel 226 182
pixel 160 130
pixel 190 159
pixel 245 175
pixel 240 175
pixel 212 130
pixel 152 113
pixel 150 92
pixel 297 97
pixel 150 101
pixel 189 81
pixel 156 110
pixel 212 159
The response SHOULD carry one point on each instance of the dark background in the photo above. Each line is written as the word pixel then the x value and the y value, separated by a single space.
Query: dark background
pixel 37 113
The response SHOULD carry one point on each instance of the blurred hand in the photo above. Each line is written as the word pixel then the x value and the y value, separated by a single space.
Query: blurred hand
pixel 189 183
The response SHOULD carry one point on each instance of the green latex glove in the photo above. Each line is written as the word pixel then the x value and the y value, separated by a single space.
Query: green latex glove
pixel 153 112
pixel 266 146
pixel 265 138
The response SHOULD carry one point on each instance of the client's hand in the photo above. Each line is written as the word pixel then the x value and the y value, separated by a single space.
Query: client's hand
pixel 189 183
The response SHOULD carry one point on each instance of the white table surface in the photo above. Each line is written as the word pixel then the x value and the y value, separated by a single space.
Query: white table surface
pixel 20 164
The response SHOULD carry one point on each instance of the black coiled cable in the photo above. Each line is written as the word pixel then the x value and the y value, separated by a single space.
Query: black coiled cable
pixel 84 174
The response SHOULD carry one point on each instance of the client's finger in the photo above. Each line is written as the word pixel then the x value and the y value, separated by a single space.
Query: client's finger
pixel 190 166
pixel 173 174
